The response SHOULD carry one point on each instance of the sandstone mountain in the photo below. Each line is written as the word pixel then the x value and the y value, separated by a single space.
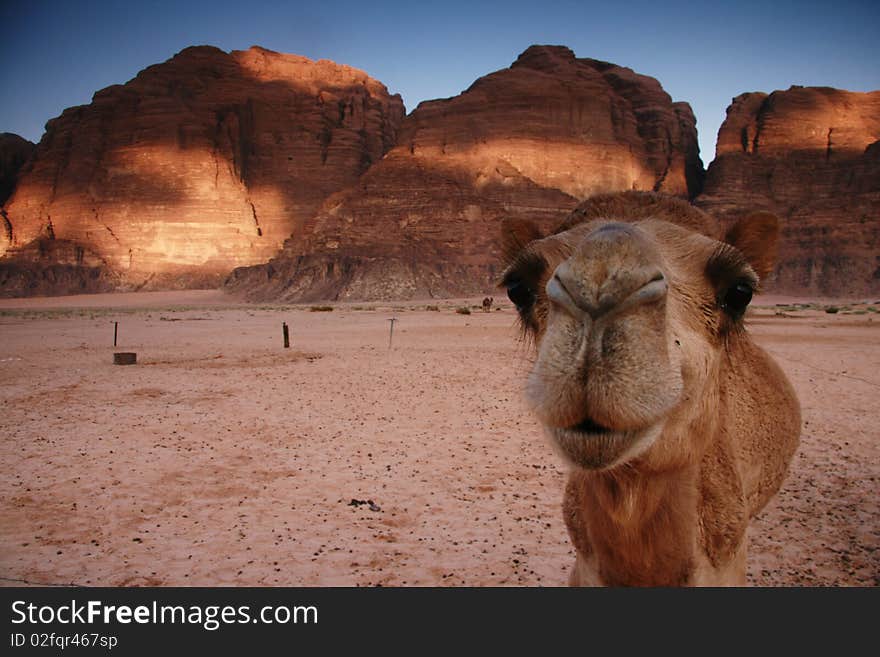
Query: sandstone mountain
pixel 812 156
pixel 199 164
pixel 528 141
pixel 212 161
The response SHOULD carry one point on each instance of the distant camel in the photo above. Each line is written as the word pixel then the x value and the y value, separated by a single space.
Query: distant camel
pixel 487 304
pixel 678 428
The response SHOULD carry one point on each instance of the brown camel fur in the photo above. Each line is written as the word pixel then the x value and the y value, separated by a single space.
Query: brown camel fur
pixel 678 428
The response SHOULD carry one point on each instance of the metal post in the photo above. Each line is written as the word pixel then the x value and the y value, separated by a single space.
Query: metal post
pixel 115 332
pixel 391 335
pixel 286 335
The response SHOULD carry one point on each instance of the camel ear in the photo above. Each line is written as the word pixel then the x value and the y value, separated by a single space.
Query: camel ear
pixel 516 234
pixel 757 238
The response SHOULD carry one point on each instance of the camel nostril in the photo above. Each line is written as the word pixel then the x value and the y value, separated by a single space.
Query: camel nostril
pixel 653 290
pixel 556 291
pixel 562 295
pixel 561 283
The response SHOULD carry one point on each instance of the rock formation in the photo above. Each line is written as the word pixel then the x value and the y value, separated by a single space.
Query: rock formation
pixel 812 156
pixel 203 163
pixel 14 152
pixel 528 141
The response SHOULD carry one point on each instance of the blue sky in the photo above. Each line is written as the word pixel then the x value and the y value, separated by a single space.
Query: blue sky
pixel 56 54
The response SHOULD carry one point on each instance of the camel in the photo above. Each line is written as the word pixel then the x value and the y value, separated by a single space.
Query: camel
pixel 678 429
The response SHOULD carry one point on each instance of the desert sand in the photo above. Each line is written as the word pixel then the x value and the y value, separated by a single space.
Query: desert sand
pixel 221 458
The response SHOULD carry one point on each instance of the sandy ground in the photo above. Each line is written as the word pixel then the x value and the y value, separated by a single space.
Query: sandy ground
pixel 223 459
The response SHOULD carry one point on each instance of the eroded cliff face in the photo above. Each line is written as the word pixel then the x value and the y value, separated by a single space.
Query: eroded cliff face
pixel 15 151
pixel 203 163
pixel 812 156
pixel 530 141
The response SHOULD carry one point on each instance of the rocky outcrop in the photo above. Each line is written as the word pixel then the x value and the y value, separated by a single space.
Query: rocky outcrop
pixel 812 156
pixel 14 152
pixel 529 141
pixel 48 267
pixel 203 163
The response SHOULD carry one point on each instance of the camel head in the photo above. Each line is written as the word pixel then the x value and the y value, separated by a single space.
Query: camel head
pixel 632 304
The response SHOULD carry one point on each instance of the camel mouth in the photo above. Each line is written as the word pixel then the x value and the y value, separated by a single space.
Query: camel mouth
pixel 592 446
pixel 589 427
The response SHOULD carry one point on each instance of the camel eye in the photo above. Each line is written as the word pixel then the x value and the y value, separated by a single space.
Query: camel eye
pixel 521 294
pixel 737 298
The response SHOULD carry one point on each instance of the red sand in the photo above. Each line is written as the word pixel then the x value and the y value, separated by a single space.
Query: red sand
pixel 223 459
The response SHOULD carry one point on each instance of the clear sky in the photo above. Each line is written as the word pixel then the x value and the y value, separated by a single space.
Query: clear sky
pixel 55 54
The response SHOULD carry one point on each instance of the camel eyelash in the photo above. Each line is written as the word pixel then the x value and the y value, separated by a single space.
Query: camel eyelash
pixel 727 266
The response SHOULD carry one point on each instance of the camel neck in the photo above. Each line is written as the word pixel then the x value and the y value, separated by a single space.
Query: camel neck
pixel 641 528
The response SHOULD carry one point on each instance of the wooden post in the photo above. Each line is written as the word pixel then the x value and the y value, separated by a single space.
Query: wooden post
pixel 115 331
pixel 286 335
pixel 391 335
